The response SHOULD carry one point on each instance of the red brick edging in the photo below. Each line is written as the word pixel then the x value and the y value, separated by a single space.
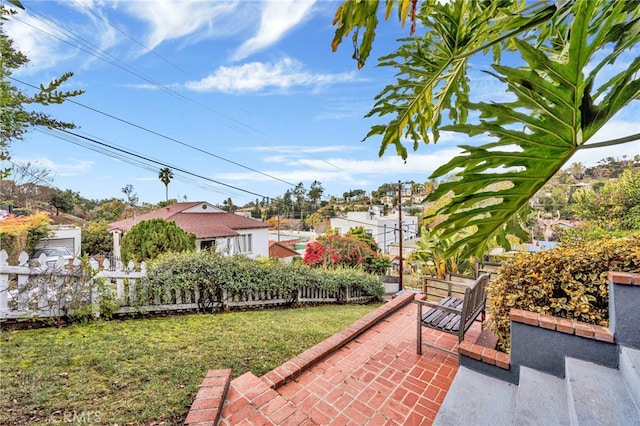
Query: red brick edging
pixel 484 354
pixel 294 367
pixel 628 278
pixel 563 325
pixel 535 319
pixel 206 407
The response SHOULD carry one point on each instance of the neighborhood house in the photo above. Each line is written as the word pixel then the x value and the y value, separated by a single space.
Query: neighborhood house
pixel 213 228
pixel 384 229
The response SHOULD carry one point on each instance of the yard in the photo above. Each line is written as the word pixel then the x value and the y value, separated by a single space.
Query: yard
pixel 147 371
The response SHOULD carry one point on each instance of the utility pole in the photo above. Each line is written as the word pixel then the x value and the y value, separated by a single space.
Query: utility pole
pixel 384 245
pixel 400 234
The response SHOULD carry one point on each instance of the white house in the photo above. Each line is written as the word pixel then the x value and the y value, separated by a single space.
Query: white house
pixel 385 230
pixel 212 226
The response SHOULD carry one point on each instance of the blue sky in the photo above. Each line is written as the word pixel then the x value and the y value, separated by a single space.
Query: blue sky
pixel 247 95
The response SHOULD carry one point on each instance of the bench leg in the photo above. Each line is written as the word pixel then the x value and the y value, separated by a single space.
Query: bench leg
pixel 419 333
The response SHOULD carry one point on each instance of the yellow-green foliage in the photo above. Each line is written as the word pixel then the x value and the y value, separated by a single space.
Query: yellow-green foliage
pixel 569 281
pixel 19 234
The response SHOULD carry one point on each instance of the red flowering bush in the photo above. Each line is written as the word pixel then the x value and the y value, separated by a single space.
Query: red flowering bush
pixel 345 251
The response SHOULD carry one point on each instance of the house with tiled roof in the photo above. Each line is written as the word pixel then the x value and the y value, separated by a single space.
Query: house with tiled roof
pixel 213 228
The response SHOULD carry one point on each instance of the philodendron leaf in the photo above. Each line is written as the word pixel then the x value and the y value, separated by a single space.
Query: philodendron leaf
pixel 16 3
pixel 554 115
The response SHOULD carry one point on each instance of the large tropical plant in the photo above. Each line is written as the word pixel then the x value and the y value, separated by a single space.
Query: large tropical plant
pixel 569 82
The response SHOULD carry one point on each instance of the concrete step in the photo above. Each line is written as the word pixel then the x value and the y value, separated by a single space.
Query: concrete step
pixel 541 400
pixel 630 369
pixel 598 395
pixel 476 399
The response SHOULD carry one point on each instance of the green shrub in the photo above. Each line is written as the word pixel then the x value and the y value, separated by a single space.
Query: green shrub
pixel 96 239
pixel 150 238
pixel 569 281
pixel 211 274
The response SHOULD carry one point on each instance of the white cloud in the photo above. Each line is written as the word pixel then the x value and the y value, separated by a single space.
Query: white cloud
pixel 257 76
pixel 278 17
pixel 48 42
pixel 171 20
pixel 43 50
pixel 351 171
pixel 343 108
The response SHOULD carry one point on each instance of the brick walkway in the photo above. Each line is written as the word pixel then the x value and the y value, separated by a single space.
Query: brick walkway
pixel 375 379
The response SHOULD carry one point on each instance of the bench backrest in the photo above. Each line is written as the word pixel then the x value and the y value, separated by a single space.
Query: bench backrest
pixel 475 298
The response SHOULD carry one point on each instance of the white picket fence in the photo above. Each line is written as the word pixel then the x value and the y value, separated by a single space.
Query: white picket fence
pixel 50 291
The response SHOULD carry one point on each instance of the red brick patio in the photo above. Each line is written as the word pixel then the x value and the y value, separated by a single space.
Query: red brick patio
pixel 375 379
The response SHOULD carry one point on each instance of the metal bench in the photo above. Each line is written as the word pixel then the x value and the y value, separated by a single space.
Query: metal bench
pixel 453 315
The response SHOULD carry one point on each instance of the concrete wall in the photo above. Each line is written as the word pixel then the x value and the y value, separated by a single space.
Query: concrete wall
pixel 64 236
pixel 624 308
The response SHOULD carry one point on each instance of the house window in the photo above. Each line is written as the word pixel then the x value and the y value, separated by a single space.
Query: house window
pixel 369 232
pixel 244 243
pixel 207 245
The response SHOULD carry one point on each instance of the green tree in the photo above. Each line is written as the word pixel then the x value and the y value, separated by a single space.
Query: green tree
pixel 299 193
pixel 577 170
pixel 361 235
pixel 64 201
pixel 15 119
pixel 150 238
pixel 131 197
pixel 431 255
pixel 227 205
pixel 96 239
pixel 109 211
pixel 570 84
pixel 165 175
pixel 166 203
pixel 615 206
pixel 315 193
pixel 314 219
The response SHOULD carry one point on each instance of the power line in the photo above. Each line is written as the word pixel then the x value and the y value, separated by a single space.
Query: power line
pixel 138 163
pixel 91 49
pixel 106 21
pixel 153 132
pixel 160 163
pixel 101 54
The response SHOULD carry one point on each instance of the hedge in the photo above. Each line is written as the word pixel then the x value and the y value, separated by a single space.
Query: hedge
pixel 212 273
pixel 569 281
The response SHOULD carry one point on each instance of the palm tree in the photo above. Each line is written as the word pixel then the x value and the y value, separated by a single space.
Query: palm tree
pixel 165 177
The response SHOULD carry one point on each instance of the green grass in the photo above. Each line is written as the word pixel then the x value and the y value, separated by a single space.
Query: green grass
pixel 147 371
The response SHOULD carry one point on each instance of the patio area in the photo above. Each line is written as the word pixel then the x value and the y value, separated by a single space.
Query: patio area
pixel 375 379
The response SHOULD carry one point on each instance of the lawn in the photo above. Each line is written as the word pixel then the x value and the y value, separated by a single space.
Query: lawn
pixel 147 371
